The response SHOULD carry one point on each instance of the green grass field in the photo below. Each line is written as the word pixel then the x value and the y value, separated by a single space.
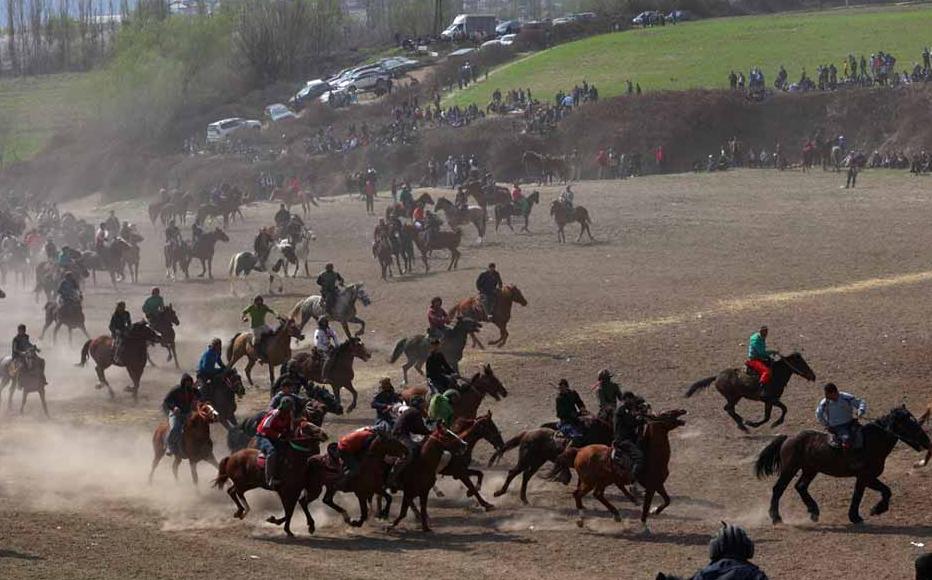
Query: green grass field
pixel 32 109
pixel 701 54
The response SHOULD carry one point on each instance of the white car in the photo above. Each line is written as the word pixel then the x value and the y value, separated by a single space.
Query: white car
pixel 220 130
pixel 491 44
pixel 278 111
pixel 366 80
pixel 311 90
pixel 508 39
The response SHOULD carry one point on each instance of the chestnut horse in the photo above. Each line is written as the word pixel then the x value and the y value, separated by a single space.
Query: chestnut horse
pixel 242 468
pixel 467 406
pixel 135 355
pixel 472 431
pixel 562 216
pixel 472 308
pixel 597 471
pixel 439 240
pixel 341 373
pixel 195 441
pixel 277 347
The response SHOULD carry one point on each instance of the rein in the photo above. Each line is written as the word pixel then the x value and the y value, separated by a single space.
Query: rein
pixel 908 441
pixel 784 360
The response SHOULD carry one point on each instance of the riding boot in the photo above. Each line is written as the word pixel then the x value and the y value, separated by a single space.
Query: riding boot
pixel 562 464
pixel 271 464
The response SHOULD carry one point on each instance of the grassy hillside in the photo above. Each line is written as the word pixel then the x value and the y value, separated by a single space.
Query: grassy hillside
pixel 700 54
pixel 34 108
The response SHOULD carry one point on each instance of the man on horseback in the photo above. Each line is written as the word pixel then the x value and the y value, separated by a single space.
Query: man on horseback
pixel 608 392
pixel 411 422
pixel 22 349
pixel 384 400
pixel 839 412
pixel 325 341
pixel 69 294
pixel 173 235
pixel 489 285
pixel 177 405
pixel 441 406
pixel 381 231
pixel 352 448
pixel 628 427
pixel 272 434
pixel 197 231
pixel 437 318
pixel 289 381
pixel 282 217
pixel 111 224
pixel 760 358
pixel 440 374
pixel 100 237
pixel 329 281
pixel 120 325
pixel 211 364
pixel 566 198
pixel 153 304
pixel 569 407
pixel 255 314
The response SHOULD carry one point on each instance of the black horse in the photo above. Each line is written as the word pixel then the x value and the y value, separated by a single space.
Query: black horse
pixel 812 453
pixel 222 393
pixel 164 322
pixel 737 384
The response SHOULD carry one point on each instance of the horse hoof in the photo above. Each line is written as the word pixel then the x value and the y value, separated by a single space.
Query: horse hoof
pixel 580 522
pixel 616 517
pixel 814 516
pixel 356 523
pixel 499 493
pixel 489 508
pixel 239 515
pixel 856 520
pixel 920 463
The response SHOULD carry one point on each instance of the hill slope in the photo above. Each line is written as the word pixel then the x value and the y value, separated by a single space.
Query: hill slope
pixel 700 54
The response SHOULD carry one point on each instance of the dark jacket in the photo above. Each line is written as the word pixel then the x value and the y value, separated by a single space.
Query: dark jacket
pixel 568 406
pixel 489 282
pixel 382 402
pixel 727 569
pixel 181 397
pixel 328 280
pixel 120 323
pixel 296 381
pixel 437 366
pixel 411 422
pixel 21 345
pixel 627 425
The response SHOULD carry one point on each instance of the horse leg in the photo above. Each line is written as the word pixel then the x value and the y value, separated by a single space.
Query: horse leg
pixel 884 504
pixel 405 502
pixel 328 501
pixel 22 405
pixel 779 487
pixel 582 490
pixel 159 453
pixel 599 494
pixel 193 465
pixel 474 491
pixel 476 343
pixel 249 364
pixel 305 502
pixel 386 497
pixel 242 508
pixel 665 497
pixel 361 323
pixel 782 408
pixel 853 516
pixel 175 464
pixel 363 512
pixel 203 268
pixel 730 409
pixel 768 408
pixel 627 494
pixel 289 501
pixel 45 408
pixel 512 473
pixel 349 387
pixel 645 509
pixel 802 488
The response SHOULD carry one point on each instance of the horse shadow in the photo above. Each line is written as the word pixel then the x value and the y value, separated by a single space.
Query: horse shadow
pixel 398 541
pixel 675 539
pixel 915 531
pixel 528 354
pixel 15 555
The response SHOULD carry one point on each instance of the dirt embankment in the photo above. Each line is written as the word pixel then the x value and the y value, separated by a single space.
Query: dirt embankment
pixel 690 125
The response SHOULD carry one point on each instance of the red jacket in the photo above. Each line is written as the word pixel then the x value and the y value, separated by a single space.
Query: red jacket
pixel 437 317
pixel 276 424
pixel 354 441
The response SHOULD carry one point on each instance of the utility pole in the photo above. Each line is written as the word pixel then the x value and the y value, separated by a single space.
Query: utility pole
pixel 438 16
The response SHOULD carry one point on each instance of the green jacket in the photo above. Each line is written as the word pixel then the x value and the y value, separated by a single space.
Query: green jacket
pixel 757 348
pixel 441 409
pixel 257 314
pixel 152 305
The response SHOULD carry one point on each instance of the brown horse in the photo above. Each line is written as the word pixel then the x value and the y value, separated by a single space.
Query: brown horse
pixel 195 441
pixel 439 240
pixel 547 166
pixel 70 315
pixel 472 431
pixel 486 195
pixel 28 375
pixel 597 471
pixel 458 217
pixel 476 389
pixel 135 355
pixel 812 453
pixel 382 251
pixel 204 248
pixel 244 470
pixel 341 373
pixel 563 216
pixel 737 384
pixel 420 475
pixel 472 308
pixel 277 348
pixel 505 211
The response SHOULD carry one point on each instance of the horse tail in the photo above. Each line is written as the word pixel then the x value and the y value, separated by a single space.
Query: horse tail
pixel 222 475
pixel 85 350
pixel 230 346
pixel 769 461
pixel 562 464
pixel 584 216
pixel 233 262
pixel 399 348
pixel 508 446
pixel 698 386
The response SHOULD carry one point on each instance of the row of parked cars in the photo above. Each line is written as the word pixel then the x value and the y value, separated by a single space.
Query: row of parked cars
pixel 653 17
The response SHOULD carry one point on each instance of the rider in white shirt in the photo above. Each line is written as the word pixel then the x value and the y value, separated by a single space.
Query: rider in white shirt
pixel 325 341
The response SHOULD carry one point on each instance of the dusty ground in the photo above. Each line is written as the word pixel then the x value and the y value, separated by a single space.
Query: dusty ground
pixel 684 268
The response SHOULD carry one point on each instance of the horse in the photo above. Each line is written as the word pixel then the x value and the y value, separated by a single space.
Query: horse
pixel 486 195
pixel 164 322
pixel 439 240
pixel 340 373
pixel 456 216
pixel 177 256
pixel 416 348
pixel 135 355
pixel 302 253
pixel 195 441
pixel 505 211
pixel 203 250
pixel 563 216
pixel 546 166
pixel 472 308
pixel 382 251
pixel 276 265
pixel 14 257
pixel 735 384
pixel 420 475
pixel 277 347
pixel 482 384
pixel 812 453
pixel 30 377
pixel 837 158
pixel 222 393
pixel 242 435
pixel 471 431
pixel 597 471
pixel 246 472
pixel 70 315
pixel 343 311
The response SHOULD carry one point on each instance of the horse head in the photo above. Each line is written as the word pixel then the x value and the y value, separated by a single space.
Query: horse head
pixel 358 349
pixel 798 365
pixel 534 197
pixel 488 384
pixel 360 293
pixel 467 325
pixel 206 412
pixel 221 235
pixel 486 428
pixel 448 440
pixel 290 327
pixel 171 315
pixel 234 382
pixel 144 332
pixel 309 432
pixel 901 423
pixel 516 294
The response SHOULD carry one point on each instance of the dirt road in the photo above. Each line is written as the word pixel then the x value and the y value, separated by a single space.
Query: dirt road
pixel 683 269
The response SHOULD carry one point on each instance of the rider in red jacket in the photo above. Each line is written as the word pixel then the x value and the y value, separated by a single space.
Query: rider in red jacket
pixel 273 432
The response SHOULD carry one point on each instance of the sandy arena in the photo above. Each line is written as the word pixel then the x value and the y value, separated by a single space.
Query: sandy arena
pixel 683 269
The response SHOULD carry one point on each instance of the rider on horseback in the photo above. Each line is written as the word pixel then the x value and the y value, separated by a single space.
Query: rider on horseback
pixel 197 230
pixel 325 341
pixel 255 314
pixel 100 237
pixel 437 318
pixel 120 325
pixel 329 281
pixel 282 217
pixel 381 231
pixel 489 285
pixel 839 412
pixel 411 422
pixel 441 406
pixel 22 348
pixel 178 404
pixel 607 391
pixel 272 434
pixel 440 375
pixel 153 304
pixel 69 294
pixel 111 224
pixel 569 408
pixel 211 364
pixel 289 378
pixel 173 235
pixel 759 357
pixel 384 400
pixel 566 198
pixel 352 447
pixel 628 427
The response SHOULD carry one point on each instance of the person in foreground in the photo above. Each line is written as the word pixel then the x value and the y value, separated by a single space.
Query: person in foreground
pixel 730 553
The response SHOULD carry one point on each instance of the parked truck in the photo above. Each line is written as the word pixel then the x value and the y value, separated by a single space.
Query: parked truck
pixel 469 25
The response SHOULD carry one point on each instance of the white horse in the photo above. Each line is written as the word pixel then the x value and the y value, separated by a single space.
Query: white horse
pixel 344 310
pixel 302 253
pixel 243 263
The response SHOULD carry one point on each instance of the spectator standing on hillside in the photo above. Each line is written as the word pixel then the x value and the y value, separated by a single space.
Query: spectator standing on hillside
pixel 660 158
